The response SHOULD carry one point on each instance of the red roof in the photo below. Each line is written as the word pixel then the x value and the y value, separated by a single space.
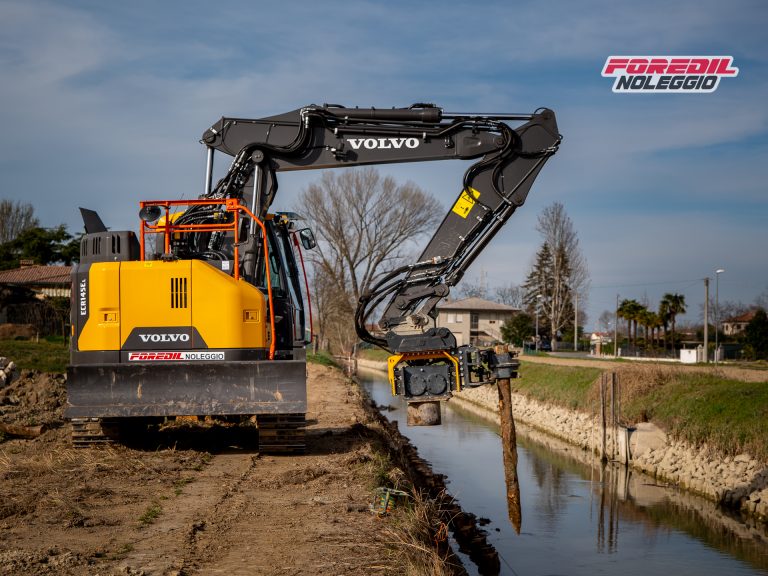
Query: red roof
pixel 746 317
pixel 37 275
pixel 478 304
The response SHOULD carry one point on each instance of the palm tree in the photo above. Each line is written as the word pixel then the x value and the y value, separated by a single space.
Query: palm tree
pixel 630 311
pixel 653 321
pixel 664 319
pixel 671 305
pixel 644 319
pixel 625 311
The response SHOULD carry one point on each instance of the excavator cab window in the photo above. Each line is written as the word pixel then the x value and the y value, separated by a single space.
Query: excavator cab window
pixel 289 256
pixel 286 288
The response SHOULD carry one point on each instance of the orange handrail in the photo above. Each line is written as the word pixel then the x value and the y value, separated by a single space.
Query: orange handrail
pixel 231 205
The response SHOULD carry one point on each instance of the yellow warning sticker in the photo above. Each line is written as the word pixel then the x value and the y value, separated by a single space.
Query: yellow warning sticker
pixel 465 202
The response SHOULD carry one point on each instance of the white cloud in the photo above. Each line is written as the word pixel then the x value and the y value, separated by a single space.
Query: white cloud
pixel 104 107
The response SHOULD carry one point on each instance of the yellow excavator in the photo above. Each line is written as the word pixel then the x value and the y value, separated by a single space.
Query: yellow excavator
pixel 206 312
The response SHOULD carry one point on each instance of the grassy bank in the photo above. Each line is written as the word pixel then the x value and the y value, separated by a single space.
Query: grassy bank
pixel 375 354
pixel 323 358
pixel 699 407
pixel 45 355
pixel 567 386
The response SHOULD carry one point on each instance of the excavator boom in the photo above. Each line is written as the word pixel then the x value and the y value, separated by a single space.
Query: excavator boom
pixel 225 335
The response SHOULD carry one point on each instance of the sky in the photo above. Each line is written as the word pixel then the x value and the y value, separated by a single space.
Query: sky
pixel 103 104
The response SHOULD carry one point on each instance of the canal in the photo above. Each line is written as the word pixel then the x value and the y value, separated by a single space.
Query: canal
pixel 579 517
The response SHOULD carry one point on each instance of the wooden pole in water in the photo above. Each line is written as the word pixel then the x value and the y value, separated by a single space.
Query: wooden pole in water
pixel 602 418
pixel 615 415
pixel 509 451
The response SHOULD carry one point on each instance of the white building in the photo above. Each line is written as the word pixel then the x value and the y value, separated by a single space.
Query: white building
pixel 475 321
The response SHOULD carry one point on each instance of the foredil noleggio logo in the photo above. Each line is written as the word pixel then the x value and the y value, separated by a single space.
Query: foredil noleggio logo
pixel 668 74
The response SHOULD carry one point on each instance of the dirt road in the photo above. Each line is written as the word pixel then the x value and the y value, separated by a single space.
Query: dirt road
pixel 208 504
pixel 724 370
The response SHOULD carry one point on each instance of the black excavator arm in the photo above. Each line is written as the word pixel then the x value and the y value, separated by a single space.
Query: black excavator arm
pixel 427 364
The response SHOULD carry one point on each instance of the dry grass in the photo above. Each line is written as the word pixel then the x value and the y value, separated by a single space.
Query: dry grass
pixel 636 381
pixel 419 538
pixel 70 460
pixel 701 406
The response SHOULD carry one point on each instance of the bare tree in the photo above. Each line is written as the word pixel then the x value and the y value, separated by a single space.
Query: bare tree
pixel 468 288
pixel 15 217
pixel 726 309
pixel 605 321
pixel 366 225
pixel 511 295
pixel 560 272
pixel 762 299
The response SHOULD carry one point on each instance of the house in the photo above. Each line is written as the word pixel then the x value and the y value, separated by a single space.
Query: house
pixel 600 337
pixel 597 341
pixel 44 281
pixel 474 321
pixel 30 283
pixel 738 324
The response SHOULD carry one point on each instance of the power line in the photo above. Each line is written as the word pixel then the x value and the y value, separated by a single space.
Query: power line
pixel 668 282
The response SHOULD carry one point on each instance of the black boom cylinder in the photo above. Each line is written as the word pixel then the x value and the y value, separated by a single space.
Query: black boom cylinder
pixel 426 115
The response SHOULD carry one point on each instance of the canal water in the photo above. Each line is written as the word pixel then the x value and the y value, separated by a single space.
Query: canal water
pixel 579 517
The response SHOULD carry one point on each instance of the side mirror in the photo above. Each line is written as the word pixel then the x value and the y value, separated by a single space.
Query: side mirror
pixel 307 238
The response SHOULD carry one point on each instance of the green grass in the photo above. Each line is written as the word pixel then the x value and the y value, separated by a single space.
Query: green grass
pixel 728 415
pixel 700 408
pixel 151 514
pixel 179 485
pixel 566 386
pixel 376 354
pixel 45 356
pixel 322 358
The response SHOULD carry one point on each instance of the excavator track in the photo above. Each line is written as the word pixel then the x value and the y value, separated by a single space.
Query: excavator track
pixel 282 433
pixel 93 431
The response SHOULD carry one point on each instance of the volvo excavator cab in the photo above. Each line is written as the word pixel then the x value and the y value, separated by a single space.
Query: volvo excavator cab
pixel 196 317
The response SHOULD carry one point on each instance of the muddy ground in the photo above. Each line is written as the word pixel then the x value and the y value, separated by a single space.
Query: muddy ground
pixel 192 500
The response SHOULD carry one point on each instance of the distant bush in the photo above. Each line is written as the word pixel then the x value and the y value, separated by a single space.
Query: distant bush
pixel 323 358
pixel 44 356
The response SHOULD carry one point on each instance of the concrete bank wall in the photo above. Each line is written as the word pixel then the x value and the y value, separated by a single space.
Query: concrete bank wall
pixel 629 484
pixel 739 482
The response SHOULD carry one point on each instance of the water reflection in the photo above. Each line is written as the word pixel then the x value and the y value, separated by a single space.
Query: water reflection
pixel 579 517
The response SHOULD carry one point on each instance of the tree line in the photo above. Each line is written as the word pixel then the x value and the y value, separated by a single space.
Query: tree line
pixel 659 327
pixel 22 238
pixel 656 324
pixel 368 225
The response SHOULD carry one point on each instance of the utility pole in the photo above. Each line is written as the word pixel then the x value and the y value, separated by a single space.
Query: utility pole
pixel 706 320
pixel 717 311
pixel 575 321
pixel 616 330
pixel 538 299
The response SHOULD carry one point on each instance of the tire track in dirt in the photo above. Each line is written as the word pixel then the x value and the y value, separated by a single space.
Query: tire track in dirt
pixel 170 545
pixel 206 539
pixel 253 514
